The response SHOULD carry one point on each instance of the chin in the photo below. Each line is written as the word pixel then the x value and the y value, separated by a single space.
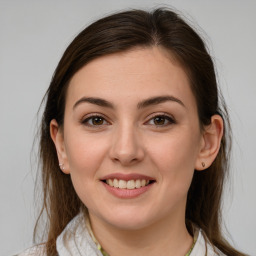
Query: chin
pixel 129 219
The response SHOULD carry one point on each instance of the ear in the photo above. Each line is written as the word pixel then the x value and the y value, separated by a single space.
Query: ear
pixel 210 143
pixel 58 139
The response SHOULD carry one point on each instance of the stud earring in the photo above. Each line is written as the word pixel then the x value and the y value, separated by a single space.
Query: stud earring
pixel 203 164
pixel 61 166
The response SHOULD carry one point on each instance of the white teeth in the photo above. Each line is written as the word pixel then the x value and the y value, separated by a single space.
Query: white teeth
pixel 110 182
pixel 115 183
pixel 130 184
pixel 122 184
pixel 137 184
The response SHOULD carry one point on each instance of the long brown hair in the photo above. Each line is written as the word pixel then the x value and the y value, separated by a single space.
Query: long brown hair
pixel 117 33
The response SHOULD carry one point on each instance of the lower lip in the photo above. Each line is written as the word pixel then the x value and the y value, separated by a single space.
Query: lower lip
pixel 127 193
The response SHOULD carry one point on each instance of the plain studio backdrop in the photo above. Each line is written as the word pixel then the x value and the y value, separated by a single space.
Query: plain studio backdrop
pixel 33 36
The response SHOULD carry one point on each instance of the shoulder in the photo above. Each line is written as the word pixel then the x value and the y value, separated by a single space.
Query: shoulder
pixel 203 247
pixel 38 250
pixel 76 238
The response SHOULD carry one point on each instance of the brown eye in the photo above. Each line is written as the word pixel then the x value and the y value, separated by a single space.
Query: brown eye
pixel 95 121
pixel 161 120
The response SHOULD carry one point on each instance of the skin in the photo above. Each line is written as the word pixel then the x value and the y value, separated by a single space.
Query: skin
pixel 127 139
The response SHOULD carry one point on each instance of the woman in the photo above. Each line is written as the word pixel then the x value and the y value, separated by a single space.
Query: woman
pixel 134 121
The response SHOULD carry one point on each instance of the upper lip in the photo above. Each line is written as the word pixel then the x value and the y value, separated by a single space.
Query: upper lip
pixel 126 177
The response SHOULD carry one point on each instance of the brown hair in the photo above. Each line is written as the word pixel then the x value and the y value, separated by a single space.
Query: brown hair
pixel 117 33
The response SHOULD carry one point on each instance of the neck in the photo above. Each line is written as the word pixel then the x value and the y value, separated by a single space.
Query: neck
pixel 166 237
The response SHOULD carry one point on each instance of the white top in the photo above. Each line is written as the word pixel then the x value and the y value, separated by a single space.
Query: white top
pixel 75 240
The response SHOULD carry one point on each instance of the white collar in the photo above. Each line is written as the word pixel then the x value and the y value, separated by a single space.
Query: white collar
pixel 76 240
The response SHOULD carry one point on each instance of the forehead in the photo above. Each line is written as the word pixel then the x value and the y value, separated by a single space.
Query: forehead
pixel 143 72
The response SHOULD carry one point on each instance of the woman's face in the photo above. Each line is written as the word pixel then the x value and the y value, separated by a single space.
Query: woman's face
pixel 131 138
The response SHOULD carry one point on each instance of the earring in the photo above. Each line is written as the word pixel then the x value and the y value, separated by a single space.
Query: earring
pixel 61 166
pixel 203 164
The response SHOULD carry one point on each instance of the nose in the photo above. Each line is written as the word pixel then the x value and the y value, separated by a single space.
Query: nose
pixel 127 146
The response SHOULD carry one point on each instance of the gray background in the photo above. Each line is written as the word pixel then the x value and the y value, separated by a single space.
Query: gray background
pixel 33 36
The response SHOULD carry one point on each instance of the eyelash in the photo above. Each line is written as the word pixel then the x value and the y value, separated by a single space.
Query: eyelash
pixel 91 117
pixel 166 118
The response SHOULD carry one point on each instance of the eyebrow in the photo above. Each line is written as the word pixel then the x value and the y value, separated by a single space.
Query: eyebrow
pixel 96 101
pixel 158 100
pixel 143 104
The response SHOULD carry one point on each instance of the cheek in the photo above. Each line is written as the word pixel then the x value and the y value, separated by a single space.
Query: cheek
pixel 85 153
pixel 175 157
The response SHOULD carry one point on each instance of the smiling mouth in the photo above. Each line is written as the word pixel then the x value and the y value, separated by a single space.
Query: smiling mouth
pixel 129 184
